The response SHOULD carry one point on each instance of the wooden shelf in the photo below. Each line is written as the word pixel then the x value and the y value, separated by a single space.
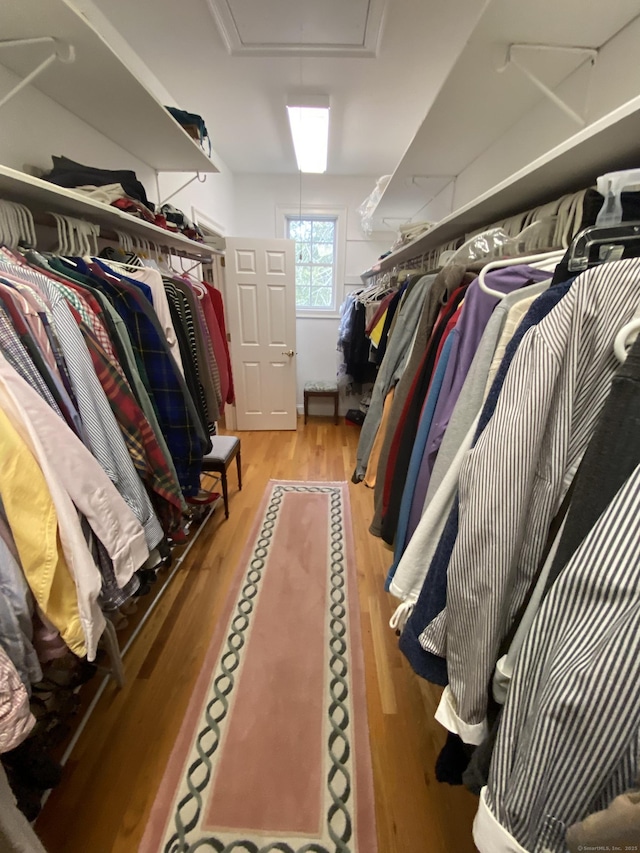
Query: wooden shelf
pixel 609 144
pixel 42 197
pixel 97 87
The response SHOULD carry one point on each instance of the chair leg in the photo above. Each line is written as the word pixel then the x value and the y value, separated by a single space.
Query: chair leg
pixel 239 467
pixel 225 492
pixel 306 407
pixel 335 409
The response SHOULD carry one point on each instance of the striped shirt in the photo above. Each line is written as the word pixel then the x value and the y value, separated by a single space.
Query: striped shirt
pixel 515 478
pixel 569 740
pixel 184 318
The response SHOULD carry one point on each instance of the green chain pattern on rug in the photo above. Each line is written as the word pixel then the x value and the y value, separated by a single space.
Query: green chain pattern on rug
pixel 339 823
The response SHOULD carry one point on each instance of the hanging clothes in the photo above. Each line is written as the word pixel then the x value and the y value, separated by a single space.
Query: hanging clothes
pixel 99 433
pixel 555 720
pixel 563 365
pixel 392 367
pixel 103 434
pixel 478 308
pixel 402 444
pixel 424 646
pixel 218 307
pixel 437 292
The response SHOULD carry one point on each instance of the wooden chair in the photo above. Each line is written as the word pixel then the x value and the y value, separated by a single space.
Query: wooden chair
pixel 225 449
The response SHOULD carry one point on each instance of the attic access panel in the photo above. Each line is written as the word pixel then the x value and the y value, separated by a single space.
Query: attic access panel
pixel 300 27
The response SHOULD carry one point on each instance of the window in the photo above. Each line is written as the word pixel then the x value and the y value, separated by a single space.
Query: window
pixel 315 261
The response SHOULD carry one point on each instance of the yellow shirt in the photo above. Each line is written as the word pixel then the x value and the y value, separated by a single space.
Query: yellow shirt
pixel 376 332
pixel 34 524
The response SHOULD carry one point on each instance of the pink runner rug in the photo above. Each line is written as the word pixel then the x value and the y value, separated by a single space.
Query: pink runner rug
pixel 273 754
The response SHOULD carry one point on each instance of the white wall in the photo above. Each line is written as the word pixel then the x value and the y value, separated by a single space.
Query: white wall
pixel 33 127
pixel 614 79
pixel 257 199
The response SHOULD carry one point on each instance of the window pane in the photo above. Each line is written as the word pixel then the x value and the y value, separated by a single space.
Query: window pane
pixel 303 297
pixel 322 253
pixel 321 297
pixel 322 277
pixel 323 231
pixel 303 253
pixel 299 229
pixel 315 261
pixel 303 276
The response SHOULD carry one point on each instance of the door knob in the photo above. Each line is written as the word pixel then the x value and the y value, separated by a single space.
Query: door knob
pixel 289 352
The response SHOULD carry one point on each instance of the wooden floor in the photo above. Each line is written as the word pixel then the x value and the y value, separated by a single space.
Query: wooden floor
pixel 111 779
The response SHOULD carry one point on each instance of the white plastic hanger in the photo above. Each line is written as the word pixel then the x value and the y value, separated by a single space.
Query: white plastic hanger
pixel 124 241
pixel 10 226
pixel 15 224
pixel 512 262
pixel 62 233
pixel 6 231
pixel 28 225
pixel 622 338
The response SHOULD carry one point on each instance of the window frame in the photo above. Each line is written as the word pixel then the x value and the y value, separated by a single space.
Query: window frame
pixel 339 215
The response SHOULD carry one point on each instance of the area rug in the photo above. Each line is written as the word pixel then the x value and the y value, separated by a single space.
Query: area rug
pixel 273 754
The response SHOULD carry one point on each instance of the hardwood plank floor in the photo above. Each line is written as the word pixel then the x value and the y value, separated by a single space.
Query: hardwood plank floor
pixel 111 778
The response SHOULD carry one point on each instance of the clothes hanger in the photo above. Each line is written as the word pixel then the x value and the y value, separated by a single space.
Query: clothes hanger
pixel 608 239
pixel 6 235
pixel 511 262
pixel 622 338
pixel 20 228
pixel 121 265
pixel 15 232
pixel 62 234
pixel 370 294
pixel 549 264
pixel 28 224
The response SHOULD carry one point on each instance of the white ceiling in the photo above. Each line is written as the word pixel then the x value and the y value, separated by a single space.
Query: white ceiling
pixel 377 104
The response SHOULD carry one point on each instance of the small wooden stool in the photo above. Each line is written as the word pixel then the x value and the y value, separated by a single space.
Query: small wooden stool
pixel 321 389
pixel 225 449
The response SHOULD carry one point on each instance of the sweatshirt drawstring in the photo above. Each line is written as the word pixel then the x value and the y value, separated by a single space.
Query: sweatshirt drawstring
pixel 401 616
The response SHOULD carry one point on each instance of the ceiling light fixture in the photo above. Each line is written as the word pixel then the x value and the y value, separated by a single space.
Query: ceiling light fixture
pixel 309 120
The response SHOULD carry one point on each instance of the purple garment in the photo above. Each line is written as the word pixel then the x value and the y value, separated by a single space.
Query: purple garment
pixel 476 311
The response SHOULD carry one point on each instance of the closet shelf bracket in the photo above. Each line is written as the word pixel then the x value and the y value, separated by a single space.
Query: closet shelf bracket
pixel 590 55
pixel 63 52
pixel 197 177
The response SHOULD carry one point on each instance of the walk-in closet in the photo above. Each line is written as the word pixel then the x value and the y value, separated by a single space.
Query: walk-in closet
pixel 319 404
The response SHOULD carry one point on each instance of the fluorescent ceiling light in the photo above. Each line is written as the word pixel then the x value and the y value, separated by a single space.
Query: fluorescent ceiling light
pixel 310 131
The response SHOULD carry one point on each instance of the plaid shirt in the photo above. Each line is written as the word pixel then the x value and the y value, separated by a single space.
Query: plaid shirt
pixel 141 441
pixel 86 306
pixel 15 353
pixel 177 419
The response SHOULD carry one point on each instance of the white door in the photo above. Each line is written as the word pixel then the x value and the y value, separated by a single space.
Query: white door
pixel 261 301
